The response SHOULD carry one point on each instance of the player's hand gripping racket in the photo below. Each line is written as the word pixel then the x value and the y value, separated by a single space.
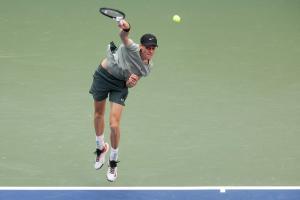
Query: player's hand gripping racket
pixel 115 14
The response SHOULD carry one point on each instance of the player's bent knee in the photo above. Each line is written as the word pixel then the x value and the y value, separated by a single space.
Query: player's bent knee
pixel 114 126
pixel 98 115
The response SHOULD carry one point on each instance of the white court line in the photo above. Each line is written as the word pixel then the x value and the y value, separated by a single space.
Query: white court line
pixel 221 188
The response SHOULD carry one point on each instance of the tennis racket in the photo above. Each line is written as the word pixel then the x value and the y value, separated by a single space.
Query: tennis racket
pixel 115 14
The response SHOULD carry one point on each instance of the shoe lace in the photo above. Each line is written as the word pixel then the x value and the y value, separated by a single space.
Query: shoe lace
pixel 111 170
pixel 112 165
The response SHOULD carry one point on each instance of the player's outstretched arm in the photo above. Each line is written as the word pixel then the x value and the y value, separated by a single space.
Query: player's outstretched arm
pixel 125 28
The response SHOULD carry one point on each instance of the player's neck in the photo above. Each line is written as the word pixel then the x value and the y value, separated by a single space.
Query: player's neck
pixel 146 61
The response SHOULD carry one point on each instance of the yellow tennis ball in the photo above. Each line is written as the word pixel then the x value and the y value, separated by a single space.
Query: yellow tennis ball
pixel 176 18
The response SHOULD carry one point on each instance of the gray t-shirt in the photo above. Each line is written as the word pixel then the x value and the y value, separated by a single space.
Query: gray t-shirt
pixel 125 61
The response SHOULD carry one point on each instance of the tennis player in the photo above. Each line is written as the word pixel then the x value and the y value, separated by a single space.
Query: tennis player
pixel 121 69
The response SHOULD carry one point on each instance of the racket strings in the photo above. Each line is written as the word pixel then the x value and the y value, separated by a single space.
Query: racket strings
pixel 112 13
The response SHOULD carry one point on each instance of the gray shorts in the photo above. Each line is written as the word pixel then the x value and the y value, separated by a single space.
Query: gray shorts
pixel 104 85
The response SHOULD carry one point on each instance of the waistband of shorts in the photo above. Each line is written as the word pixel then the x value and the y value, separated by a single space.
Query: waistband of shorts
pixel 106 73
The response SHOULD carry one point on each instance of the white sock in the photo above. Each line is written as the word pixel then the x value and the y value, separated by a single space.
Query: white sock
pixel 100 142
pixel 114 154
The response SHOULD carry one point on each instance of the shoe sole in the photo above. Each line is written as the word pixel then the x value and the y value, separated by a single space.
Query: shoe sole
pixel 111 180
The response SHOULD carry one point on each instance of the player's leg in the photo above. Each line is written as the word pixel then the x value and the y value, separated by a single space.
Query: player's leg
pixel 99 118
pixel 114 121
pixel 101 147
pixel 100 89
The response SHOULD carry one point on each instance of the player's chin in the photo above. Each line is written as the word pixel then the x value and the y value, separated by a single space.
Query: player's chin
pixel 149 56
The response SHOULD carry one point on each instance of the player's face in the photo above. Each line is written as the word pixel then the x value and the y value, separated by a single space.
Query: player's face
pixel 147 52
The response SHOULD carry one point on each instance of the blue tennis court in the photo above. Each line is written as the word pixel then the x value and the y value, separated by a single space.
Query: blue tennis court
pixel 148 193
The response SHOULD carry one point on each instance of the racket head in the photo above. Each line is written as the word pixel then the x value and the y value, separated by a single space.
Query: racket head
pixel 112 13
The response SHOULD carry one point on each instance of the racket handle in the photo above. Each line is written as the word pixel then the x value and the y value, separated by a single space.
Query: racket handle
pixel 118 19
pixel 120 22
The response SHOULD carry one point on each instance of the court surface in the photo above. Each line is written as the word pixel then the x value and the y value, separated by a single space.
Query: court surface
pixel 220 107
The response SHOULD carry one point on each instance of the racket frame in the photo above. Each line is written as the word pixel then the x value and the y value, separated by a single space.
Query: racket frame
pixel 117 19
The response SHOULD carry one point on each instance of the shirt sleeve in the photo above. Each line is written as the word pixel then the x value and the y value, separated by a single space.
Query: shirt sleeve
pixel 134 47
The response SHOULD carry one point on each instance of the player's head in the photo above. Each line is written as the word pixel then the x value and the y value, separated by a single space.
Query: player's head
pixel 148 45
pixel 149 40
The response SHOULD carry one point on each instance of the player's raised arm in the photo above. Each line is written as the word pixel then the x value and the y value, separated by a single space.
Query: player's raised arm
pixel 125 28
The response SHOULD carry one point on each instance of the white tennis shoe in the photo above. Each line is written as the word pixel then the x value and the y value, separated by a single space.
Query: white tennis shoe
pixel 100 156
pixel 112 172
